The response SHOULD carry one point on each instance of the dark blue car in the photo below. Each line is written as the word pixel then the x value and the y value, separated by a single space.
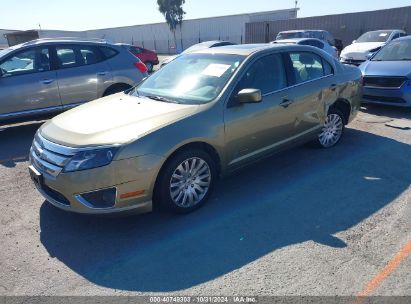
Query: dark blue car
pixel 387 75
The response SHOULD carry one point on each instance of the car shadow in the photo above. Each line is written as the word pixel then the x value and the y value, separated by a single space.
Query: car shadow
pixel 387 111
pixel 297 196
pixel 15 143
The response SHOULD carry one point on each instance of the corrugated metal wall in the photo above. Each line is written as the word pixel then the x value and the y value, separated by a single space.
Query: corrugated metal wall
pixel 346 27
pixel 3 40
pixel 160 38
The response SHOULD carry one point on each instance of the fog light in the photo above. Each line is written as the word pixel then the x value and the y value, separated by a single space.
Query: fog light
pixel 99 199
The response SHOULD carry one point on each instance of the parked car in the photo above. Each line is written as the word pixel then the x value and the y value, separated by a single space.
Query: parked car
pixel 387 75
pixel 205 114
pixel 318 34
pixel 323 45
pixel 370 42
pixel 198 47
pixel 47 76
pixel 149 58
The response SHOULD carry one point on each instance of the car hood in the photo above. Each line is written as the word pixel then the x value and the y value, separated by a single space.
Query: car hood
pixel 116 119
pixel 386 68
pixel 361 47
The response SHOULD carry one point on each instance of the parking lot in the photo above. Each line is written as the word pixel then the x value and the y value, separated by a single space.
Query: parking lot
pixel 304 222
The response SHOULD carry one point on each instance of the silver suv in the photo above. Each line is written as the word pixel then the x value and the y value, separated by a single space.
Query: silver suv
pixel 45 76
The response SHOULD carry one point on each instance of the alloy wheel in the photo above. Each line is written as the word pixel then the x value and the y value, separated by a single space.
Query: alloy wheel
pixel 331 131
pixel 190 182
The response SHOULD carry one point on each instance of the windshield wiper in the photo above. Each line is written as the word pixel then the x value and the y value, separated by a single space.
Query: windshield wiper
pixel 405 58
pixel 161 98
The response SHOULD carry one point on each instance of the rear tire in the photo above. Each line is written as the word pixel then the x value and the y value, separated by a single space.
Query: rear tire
pixel 333 129
pixel 186 181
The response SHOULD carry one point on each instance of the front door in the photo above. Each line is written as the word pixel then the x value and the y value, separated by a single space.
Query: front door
pixel 28 83
pixel 255 129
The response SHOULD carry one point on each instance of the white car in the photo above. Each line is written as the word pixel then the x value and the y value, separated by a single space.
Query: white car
pixel 370 42
pixel 321 44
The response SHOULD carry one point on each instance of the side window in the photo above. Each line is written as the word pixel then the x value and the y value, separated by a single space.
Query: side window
pixel 108 52
pixel 66 57
pixel 403 34
pixel 396 36
pixel 26 62
pixel 328 69
pixel 90 55
pixel 307 66
pixel 267 74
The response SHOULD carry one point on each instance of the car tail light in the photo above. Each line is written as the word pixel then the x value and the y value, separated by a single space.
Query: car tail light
pixel 141 66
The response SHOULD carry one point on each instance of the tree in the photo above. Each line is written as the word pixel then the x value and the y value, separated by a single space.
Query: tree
pixel 173 12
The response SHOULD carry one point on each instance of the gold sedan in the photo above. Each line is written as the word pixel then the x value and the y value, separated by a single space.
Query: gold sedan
pixel 204 115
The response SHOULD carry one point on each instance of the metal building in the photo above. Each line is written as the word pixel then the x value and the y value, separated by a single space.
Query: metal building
pixel 346 27
pixel 158 36
pixel 3 39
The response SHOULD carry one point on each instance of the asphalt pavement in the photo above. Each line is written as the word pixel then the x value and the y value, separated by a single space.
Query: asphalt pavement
pixel 303 222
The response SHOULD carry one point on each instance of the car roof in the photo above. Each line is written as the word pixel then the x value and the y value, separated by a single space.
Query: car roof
pixel 61 40
pixel 295 40
pixel 297 31
pixel 388 30
pixel 248 49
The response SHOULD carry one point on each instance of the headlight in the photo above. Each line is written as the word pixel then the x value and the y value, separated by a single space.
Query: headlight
pixel 89 159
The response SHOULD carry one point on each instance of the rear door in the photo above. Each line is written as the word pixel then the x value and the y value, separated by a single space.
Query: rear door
pixel 28 83
pixel 314 87
pixel 83 73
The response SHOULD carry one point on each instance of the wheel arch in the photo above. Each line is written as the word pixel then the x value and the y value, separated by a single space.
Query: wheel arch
pixel 202 145
pixel 116 87
pixel 344 106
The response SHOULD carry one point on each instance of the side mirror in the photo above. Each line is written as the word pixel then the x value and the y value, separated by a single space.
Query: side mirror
pixel 249 96
pixel 354 41
pixel 370 55
pixel 2 72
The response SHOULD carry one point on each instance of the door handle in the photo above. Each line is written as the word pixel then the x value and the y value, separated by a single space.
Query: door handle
pixel 102 73
pixel 47 81
pixel 333 87
pixel 286 102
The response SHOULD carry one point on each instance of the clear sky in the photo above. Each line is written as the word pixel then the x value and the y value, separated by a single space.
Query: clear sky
pixel 92 14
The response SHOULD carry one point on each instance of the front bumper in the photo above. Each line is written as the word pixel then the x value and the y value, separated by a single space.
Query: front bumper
pixel 400 97
pixel 132 178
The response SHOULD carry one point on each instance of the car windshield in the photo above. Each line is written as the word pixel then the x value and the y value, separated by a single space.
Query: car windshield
pixel 190 79
pixel 395 51
pixel 302 34
pixel 377 36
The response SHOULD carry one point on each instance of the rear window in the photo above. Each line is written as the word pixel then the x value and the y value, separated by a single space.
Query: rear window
pixel 108 52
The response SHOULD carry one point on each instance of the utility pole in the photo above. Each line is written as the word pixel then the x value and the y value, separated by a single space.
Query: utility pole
pixel 296 4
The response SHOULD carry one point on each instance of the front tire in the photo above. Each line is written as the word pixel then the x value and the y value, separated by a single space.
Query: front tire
pixel 186 181
pixel 333 129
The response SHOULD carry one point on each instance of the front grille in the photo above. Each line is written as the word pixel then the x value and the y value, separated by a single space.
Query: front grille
pixel 384 82
pixel 47 157
pixel 384 99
